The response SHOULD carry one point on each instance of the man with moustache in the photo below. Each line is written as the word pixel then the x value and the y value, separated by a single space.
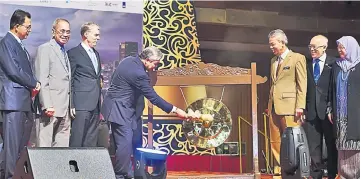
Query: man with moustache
pixel 85 87
pixel 18 86
pixel 317 126
pixel 52 68
pixel 287 98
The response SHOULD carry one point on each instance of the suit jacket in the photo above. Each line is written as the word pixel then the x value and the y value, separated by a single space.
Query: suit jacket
pixel 288 89
pixel 53 72
pixel 85 82
pixel 16 76
pixel 316 99
pixel 128 83
pixel 353 101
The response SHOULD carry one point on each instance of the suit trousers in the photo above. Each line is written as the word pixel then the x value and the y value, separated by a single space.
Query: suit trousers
pixel 277 125
pixel 122 135
pixel 317 130
pixel 84 129
pixel 54 131
pixel 103 134
pixel 15 134
pixel 137 141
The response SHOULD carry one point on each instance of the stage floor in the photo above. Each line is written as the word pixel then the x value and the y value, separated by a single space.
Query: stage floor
pixel 210 175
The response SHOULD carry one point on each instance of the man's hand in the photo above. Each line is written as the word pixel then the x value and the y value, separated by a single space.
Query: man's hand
pixel 302 119
pixel 50 112
pixel 36 90
pixel 329 116
pixel 299 112
pixel 180 113
pixel 72 113
pixel 38 86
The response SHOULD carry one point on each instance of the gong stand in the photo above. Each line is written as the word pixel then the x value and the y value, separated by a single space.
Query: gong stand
pixel 211 74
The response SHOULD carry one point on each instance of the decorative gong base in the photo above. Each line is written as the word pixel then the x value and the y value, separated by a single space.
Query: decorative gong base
pixel 150 158
pixel 214 124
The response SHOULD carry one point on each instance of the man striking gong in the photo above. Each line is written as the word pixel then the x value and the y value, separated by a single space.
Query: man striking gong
pixel 129 82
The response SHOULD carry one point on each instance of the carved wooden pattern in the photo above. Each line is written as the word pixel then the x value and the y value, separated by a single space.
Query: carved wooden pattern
pixel 204 69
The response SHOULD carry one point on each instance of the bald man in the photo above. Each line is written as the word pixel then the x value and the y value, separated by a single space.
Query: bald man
pixel 317 126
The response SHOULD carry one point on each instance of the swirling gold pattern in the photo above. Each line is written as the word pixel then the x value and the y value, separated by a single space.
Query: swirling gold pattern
pixel 170 138
pixel 171 26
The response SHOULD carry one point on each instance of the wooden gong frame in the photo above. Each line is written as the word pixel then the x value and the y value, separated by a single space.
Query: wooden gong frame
pixel 211 74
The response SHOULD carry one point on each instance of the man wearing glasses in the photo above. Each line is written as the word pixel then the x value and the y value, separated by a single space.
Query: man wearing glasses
pixel 317 127
pixel 52 69
pixel 18 86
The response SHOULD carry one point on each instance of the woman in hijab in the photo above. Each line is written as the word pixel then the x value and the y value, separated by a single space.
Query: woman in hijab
pixel 345 104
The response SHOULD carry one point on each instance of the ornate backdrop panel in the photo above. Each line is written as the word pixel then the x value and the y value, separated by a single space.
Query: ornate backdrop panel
pixel 171 26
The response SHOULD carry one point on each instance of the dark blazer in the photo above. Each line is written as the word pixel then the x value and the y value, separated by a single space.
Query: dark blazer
pixel 353 101
pixel 16 76
pixel 129 81
pixel 316 98
pixel 85 82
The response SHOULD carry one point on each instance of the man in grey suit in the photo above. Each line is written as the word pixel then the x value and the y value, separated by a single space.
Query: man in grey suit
pixel 86 90
pixel 52 68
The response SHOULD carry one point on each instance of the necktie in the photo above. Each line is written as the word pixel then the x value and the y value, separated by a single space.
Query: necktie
pixel 279 66
pixel 22 46
pixel 65 57
pixel 316 70
pixel 94 60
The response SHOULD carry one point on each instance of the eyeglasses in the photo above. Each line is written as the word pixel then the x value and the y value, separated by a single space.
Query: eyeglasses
pixel 27 27
pixel 314 47
pixel 62 31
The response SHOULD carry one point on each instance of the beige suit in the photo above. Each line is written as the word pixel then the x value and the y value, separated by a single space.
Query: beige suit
pixel 52 69
pixel 288 92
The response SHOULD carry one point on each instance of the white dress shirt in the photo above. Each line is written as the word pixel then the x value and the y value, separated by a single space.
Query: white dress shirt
pixel 281 58
pixel 91 55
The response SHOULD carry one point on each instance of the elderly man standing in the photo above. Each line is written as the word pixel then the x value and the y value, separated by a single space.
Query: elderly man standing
pixel 287 98
pixel 85 87
pixel 52 68
pixel 129 83
pixel 317 126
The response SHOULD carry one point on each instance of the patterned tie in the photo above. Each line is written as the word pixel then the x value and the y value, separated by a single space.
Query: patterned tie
pixel 94 60
pixel 279 66
pixel 316 70
pixel 65 57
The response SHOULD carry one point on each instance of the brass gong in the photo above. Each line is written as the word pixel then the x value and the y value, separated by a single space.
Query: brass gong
pixel 213 128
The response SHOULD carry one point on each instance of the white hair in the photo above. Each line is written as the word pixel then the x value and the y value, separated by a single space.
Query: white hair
pixel 279 34
pixel 152 53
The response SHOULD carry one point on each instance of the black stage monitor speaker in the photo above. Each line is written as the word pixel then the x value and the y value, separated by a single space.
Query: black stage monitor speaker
pixel 146 158
pixel 295 157
pixel 64 163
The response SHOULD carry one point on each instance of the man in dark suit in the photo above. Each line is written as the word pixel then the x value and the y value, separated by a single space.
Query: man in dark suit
pixel 137 127
pixel 86 90
pixel 129 81
pixel 317 126
pixel 17 84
